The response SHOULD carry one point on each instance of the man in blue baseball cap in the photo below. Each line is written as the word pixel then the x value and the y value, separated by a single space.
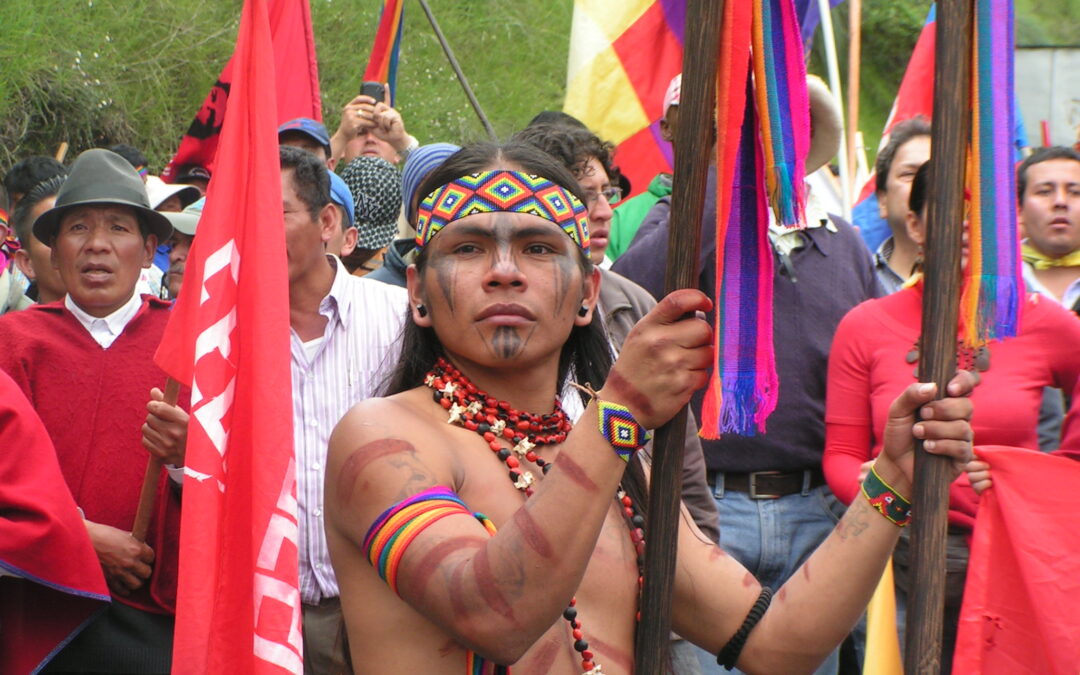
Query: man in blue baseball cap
pixel 307 134
pixel 342 243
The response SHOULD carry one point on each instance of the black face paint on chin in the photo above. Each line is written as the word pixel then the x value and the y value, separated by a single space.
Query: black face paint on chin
pixel 506 343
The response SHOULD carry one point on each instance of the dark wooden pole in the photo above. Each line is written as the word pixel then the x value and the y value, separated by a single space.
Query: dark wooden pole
pixel 150 479
pixel 692 149
pixel 941 302
pixel 459 73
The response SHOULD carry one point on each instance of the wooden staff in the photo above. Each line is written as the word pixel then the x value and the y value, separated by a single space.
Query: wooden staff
pixel 854 60
pixel 62 151
pixel 460 74
pixel 150 480
pixel 692 150
pixel 941 303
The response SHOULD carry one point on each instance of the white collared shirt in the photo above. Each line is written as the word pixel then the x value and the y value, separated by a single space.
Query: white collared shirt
pixel 330 374
pixel 106 329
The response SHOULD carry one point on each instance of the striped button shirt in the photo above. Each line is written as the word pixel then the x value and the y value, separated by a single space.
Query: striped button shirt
pixel 348 364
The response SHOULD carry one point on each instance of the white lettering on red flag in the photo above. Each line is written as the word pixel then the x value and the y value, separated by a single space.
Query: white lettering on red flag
pixel 274 594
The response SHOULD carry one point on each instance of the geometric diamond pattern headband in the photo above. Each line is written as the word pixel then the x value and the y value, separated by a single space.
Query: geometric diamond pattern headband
pixel 513 191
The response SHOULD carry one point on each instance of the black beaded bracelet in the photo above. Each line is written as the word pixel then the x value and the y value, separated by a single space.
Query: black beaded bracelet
pixel 729 654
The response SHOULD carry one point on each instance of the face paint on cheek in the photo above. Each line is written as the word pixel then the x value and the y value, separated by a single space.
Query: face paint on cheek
pixel 446 274
pixel 564 271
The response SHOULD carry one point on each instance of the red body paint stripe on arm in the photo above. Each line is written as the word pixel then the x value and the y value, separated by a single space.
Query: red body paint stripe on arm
pixel 486 583
pixel 628 395
pixel 532 534
pixel 426 566
pixel 574 472
pixel 359 460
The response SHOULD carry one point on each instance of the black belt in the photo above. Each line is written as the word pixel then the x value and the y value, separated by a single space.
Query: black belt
pixel 768 484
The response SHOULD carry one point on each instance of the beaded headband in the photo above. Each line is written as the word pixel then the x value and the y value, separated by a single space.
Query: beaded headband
pixel 512 191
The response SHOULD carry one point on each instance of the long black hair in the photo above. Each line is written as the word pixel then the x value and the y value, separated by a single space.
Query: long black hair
pixel 586 355
pixel 587 352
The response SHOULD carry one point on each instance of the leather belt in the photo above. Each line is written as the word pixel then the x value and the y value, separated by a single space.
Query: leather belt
pixel 768 484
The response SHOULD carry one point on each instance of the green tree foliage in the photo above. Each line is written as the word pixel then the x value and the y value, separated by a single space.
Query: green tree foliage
pixel 97 72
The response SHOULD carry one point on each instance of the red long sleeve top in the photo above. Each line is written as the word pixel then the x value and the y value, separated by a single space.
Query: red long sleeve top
pixel 868 368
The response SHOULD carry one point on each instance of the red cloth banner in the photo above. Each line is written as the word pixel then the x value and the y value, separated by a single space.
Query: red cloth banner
pixel 238 603
pixel 52 583
pixel 1019 613
pixel 297 86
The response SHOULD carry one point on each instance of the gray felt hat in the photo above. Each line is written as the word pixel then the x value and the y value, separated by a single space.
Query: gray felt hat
pixel 100 176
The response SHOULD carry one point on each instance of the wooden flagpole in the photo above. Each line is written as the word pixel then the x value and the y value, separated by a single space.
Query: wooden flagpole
pixel 941 303
pixel 700 51
pixel 150 480
pixel 458 72
pixel 854 72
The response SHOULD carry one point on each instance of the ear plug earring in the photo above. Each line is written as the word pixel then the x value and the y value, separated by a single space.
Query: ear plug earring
pixel 583 311
pixel 421 310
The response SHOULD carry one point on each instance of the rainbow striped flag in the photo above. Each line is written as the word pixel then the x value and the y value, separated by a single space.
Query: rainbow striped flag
pixel 383 63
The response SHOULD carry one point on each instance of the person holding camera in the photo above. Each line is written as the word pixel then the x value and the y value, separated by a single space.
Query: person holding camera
pixel 371 126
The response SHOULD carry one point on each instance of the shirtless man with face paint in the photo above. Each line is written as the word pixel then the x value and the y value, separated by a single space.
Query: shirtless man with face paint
pixel 472 526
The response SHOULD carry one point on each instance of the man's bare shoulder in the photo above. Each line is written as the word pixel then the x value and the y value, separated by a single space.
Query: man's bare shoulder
pixel 384 450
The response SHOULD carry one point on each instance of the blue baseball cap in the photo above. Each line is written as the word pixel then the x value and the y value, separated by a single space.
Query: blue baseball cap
pixel 308 127
pixel 342 196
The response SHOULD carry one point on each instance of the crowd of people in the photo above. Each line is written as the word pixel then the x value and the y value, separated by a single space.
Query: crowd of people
pixel 480 346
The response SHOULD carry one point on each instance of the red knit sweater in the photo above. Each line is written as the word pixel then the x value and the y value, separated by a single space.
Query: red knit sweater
pixel 93 403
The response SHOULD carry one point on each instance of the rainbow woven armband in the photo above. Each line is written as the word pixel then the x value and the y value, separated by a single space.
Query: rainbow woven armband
pixel 390 535
pixel 622 431
pixel 885 499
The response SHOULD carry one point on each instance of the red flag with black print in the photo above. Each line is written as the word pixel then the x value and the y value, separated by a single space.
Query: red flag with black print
pixel 297 85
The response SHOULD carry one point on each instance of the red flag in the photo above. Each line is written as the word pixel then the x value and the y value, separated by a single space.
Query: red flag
pixel 915 98
pixel 238 603
pixel 297 86
pixel 52 584
pixel 1019 613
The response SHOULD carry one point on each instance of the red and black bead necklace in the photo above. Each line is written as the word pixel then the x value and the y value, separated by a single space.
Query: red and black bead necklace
pixel 470 407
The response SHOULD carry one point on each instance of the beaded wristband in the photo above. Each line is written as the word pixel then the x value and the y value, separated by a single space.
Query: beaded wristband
pixel 885 499
pixel 622 431
pixel 729 654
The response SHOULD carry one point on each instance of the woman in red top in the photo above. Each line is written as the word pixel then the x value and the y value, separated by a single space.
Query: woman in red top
pixel 875 352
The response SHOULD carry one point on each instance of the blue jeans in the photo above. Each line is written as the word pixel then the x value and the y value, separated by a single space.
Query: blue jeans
pixel 772 538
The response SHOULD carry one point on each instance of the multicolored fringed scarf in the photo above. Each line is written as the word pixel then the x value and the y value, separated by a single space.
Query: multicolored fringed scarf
pixel 763 138
pixel 783 106
pixel 991 301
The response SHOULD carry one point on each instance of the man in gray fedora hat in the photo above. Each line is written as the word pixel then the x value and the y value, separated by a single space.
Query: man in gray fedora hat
pixel 86 364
